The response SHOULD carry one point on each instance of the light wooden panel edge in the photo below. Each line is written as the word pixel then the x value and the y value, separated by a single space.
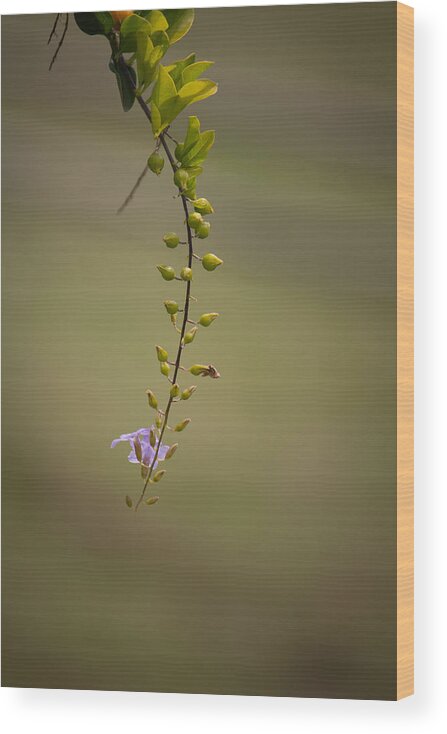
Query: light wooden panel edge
pixel 405 456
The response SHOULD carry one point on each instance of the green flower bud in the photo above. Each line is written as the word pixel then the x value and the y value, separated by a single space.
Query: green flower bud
pixel 171 451
pixel 186 273
pixel 159 420
pixel 171 239
pixel 203 230
pixel 199 369
pixel 203 206
pixel 152 500
pixel 186 394
pixel 158 475
pixel 207 318
pixel 156 162
pixel 144 471
pixel 210 261
pixel 152 438
pixel 171 307
pixel 164 368
pixel 181 178
pixel 137 447
pixel 166 271
pixel 152 399
pixel 182 425
pixel 179 151
pixel 128 501
pixel 174 391
pixel 195 220
pixel 161 354
pixel 189 336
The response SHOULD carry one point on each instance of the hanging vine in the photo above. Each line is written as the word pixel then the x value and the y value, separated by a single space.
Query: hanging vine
pixel 139 40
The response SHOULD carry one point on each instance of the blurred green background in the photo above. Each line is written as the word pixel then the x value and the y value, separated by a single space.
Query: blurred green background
pixel 268 567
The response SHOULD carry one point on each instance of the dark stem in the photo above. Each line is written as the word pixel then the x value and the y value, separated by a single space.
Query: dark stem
pixel 59 45
pixel 129 198
pixel 53 30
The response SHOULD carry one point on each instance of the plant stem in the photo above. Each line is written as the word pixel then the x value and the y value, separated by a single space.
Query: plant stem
pixel 188 297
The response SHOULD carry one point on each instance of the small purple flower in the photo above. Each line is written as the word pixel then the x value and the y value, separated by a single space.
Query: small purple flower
pixel 148 452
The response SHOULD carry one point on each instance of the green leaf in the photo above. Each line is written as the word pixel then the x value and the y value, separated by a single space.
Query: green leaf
pixel 192 134
pixel 196 91
pixel 128 32
pixel 156 119
pixel 190 190
pixel 126 90
pixel 156 56
pixel 94 24
pixel 106 21
pixel 157 20
pixel 160 38
pixel 146 71
pixel 192 72
pixel 198 152
pixel 164 90
pixel 176 70
pixel 180 21
pixel 193 171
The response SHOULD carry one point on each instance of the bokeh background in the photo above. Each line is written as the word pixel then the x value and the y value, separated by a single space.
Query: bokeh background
pixel 268 566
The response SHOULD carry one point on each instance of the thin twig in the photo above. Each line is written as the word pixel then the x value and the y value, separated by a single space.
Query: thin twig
pixel 132 193
pixel 53 30
pixel 59 45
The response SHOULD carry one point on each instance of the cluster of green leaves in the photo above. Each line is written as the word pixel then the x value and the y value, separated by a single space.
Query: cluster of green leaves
pixel 193 152
pixel 148 35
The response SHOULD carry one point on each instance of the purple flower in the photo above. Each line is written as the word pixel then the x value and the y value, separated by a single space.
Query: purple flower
pixel 148 452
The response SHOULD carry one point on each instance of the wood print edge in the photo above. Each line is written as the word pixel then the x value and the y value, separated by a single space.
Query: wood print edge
pixel 405 353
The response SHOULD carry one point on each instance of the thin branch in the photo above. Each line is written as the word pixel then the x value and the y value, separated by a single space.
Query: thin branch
pixel 53 30
pixel 59 45
pixel 132 193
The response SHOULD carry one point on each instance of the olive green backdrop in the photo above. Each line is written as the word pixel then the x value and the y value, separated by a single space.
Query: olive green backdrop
pixel 268 567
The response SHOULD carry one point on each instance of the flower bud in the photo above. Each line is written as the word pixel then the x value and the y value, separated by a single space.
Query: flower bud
pixel 164 369
pixel 182 425
pixel 158 475
pixel 181 178
pixel 204 371
pixel 210 261
pixel 152 399
pixel 186 394
pixel 207 318
pixel 156 162
pixel 189 336
pixel 203 206
pixel 186 273
pixel 174 391
pixel 152 438
pixel 203 230
pixel 171 239
pixel 195 220
pixel 158 420
pixel 161 354
pixel 171 307
pixel 199 369
pixel 119 15
pixel 128 501
pixel 171 451
pixel 178 152
pixel 166 271
pixel 151 500
pixel 137 448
